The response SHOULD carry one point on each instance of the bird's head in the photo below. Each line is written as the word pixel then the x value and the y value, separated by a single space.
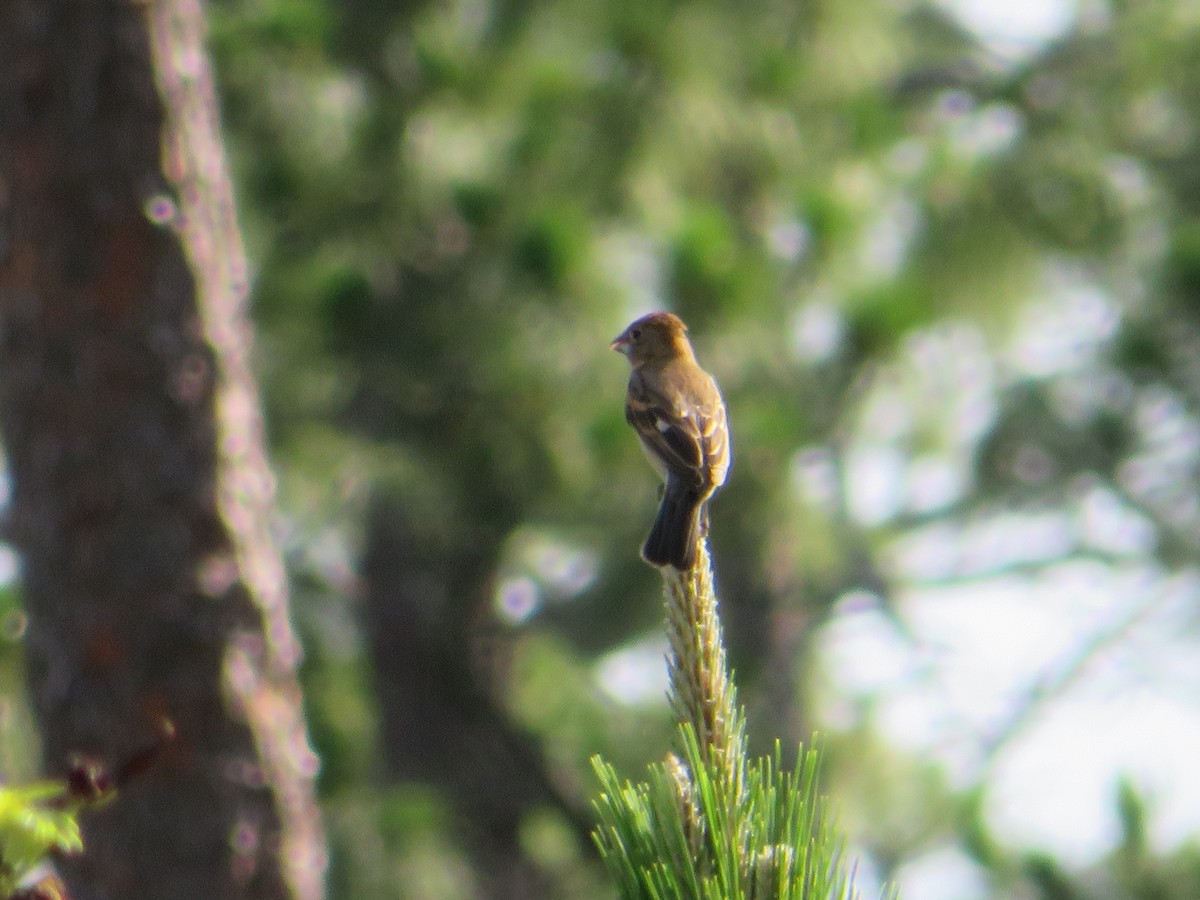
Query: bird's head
pixel 658 336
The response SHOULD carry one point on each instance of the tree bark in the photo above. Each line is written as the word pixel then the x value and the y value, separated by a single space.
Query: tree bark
pixel 140 487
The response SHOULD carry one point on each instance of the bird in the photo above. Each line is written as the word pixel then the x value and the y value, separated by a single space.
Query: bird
pixel 677 411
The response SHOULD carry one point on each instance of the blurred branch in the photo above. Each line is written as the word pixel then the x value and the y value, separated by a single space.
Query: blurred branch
pixel 1029 568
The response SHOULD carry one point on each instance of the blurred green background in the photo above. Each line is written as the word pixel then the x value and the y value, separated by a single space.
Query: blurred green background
pixel 944 263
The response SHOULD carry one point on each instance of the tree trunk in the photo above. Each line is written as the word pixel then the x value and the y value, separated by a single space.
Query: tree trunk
pixel 140 488
pixel 439 725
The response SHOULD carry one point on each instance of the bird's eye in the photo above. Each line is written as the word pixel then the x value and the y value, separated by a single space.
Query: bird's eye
pixel 636 333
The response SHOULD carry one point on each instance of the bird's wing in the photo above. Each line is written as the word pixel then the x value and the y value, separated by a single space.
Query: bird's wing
pixel 670 429
pixel 714 439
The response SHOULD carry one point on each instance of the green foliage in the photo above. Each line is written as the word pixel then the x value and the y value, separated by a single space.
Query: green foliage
pixel 680 836
pixel 33 824
pixel 715 825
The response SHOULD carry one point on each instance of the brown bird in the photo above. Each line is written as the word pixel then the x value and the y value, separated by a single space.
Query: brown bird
pixel 677 411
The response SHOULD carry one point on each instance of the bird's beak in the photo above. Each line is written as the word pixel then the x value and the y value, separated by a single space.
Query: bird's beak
pixel 621 345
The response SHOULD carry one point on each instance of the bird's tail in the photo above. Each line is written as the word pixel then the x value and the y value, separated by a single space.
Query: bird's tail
pixel 676 531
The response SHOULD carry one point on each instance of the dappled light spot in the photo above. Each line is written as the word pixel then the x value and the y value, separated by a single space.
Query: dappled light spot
pixel 990 544
pixel 160 209
pixel 1014 31
pixel 1065 331
pixel 933 483
pixel 285 649
pixel 517 599
pixel 243 663
pixel 943 873
pixel 14 625
pixel 814 477
pixel 1069 807
pixel 566 570
pixel 864 647
pixel 302 757
pixel 9 561
pixel 986 132
pixel 788 239
pixel 216 574
pixel 1107 523
pixel 245 840
pixel 853 602
pixel 874 481
pixel 628 261
pixel 554 569
pixel 635 674
pixel 191 380
pixel 818 330
pixel 888 237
